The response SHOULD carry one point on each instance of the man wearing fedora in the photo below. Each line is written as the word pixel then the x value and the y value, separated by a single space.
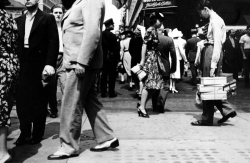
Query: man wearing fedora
pixel 37 49
pixel 82 59
pixel 110 60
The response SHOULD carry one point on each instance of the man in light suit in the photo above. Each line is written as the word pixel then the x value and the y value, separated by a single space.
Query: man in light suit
pixel 38 46
pixel 83 58
pixel 166 48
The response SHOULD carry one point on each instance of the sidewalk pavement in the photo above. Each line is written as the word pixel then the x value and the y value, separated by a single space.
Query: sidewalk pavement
pixel 162 138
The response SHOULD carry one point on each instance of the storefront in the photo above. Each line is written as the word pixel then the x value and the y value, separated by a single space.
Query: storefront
pixel 166 7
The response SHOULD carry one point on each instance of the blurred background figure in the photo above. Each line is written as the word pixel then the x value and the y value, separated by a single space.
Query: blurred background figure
pixel 9 67
pixel 230 60
pixel 125 55
pixel 135 52
pixel 180 55
pixel 110 60
pixel 60 75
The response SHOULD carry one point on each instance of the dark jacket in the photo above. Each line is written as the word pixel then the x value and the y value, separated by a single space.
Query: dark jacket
pixel 191 48
pixel 230 53
pixel 166 48
pixel 110 46
pixel 135 46
pixel 43 44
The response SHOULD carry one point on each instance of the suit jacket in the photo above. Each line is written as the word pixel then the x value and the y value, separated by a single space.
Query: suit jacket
pixel 191 49
pixel 166 48
pixel 229 52
pixel 82 34
pixel 43 44
pixel 110 46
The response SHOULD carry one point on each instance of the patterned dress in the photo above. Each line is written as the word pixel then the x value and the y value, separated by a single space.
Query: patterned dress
pixel 9 64
pixel 154 79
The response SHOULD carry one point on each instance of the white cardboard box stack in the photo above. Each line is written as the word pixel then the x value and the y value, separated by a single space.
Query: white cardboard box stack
pixel 217 88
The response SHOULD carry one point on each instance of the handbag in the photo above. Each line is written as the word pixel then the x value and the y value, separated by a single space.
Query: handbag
pixel 141 74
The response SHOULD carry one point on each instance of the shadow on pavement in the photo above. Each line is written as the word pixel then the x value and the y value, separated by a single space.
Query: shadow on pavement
pixel 25 152
pixel 52 129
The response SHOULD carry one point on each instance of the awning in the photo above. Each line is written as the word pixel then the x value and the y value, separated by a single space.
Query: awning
pixel 15 5
pixel 134 10
pixel 118 3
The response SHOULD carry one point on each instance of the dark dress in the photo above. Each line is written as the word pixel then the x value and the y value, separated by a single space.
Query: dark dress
pixel 154 79
pixel 9 65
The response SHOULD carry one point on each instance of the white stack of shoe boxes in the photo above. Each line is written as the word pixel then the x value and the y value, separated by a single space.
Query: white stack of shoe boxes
pixel 217 88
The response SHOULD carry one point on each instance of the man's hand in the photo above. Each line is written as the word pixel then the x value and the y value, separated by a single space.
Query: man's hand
pixel 212 72
pixel 80 70
pixel 49 70
pixel 244 56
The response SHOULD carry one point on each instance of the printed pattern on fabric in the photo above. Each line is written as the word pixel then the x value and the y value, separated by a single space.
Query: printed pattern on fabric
pixel 154 79
pixel 9 64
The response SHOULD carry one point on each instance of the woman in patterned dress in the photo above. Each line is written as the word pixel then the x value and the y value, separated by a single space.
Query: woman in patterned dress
pixel 149 62
pixel 9 67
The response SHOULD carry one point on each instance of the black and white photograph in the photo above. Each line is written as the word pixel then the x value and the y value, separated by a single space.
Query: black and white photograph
pixel 124 81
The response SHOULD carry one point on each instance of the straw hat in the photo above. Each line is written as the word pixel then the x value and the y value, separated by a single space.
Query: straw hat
pixel 175 33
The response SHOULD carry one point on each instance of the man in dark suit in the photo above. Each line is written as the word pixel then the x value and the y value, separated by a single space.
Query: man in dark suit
pixel 166 48
pixel 38 46
pixel 191 50
pixel 230 55
pixel 110 59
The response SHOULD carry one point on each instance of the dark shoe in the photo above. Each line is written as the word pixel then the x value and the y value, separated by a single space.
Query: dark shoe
pixel 121 82
pixel 22 141
pixel 104 95
pixel 53 115
pixel 141 114
pixel 61 157
pixel 200 123
pixel 113 144
pixel 35 141
pixel 225 118
pixel 112 95
pixel 160 109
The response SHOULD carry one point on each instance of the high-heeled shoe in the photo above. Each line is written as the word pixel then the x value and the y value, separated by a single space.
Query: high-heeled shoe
pixel 174 91
pixel 141 114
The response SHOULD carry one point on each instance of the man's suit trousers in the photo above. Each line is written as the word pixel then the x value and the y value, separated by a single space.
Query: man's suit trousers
pixel 208 106
pixel 79 94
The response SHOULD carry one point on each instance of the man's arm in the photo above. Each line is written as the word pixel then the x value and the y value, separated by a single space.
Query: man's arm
pixel 217 36
pixel 242 50
pixel 53 46
pixel 173 56
pixel 92 14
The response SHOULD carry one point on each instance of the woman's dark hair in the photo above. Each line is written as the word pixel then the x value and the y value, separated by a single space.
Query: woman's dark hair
pixel 57 6
pixel 154 17
pixel 204 3
pixel 4 3
pixel 67 3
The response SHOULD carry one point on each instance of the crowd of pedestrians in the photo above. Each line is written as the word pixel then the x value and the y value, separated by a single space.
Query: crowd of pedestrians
pixel 39 50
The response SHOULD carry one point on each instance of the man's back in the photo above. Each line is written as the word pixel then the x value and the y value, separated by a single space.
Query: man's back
pixel 191 48
pixel 167 47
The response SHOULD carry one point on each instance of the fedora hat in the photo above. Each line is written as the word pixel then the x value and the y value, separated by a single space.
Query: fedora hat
pixel 127 32
pixel 4 3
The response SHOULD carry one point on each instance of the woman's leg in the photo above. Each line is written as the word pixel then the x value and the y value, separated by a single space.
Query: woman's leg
pixel 4 155
pixel 146 95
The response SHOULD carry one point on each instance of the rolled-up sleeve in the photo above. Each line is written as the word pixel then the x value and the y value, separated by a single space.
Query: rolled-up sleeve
pixel 217 37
